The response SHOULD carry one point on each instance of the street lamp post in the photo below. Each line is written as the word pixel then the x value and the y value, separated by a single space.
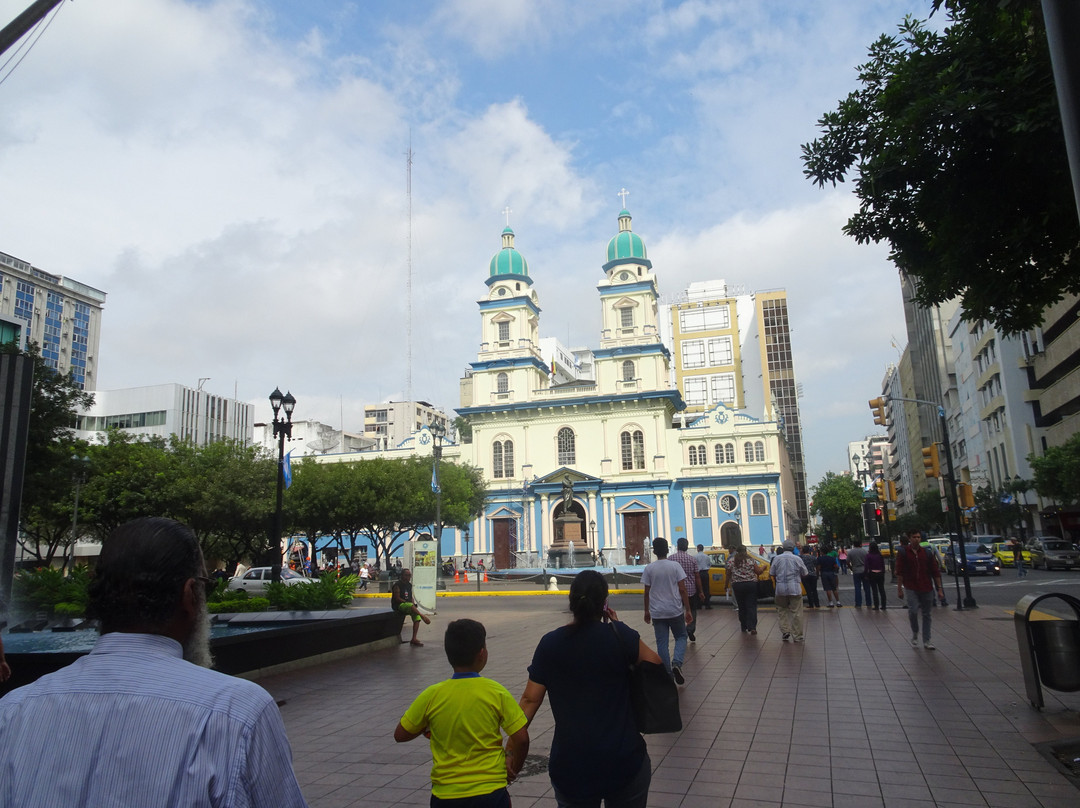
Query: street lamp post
pixel 438 432
pixel 465 538
pixel 1020 487
pixel 282 430
pixel 79 478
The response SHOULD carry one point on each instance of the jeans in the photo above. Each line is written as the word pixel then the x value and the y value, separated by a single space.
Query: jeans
pixel 862 588
pixel 635 794
pixel 1020 571
pixel 919 602
pixel 499 798
pixel 789 614
pixel 677 625
pixel 706 596
pixel 746 600
pixel 877 587
pixel 810 583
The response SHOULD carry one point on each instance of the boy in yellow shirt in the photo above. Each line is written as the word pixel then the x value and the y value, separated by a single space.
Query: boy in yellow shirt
pixel 465 717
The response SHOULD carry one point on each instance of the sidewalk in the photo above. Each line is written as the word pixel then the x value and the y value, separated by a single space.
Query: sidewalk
pixel 854 717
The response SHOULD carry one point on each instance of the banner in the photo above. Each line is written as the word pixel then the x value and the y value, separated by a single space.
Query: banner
pixel 424 557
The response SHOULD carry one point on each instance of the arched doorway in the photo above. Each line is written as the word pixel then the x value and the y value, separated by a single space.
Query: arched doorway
pixel 730 535
pixel 581 540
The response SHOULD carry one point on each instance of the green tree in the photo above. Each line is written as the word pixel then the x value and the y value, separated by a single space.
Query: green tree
pixel 955 143
pixel 52 454
pixel 1057 472
pixel 998 508
pixel 838 499
pixel 463 429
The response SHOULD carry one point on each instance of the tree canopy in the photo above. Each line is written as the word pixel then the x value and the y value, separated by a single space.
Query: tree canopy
pixel 955 143
pixel 838 500
pixel 1057 471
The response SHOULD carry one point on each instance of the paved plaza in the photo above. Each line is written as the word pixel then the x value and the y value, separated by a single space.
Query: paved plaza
pixel 855 717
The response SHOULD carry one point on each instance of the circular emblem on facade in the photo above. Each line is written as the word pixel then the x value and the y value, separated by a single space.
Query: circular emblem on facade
pixel 502 291
pixel 624 276
pixel 425 438
pixel 721 416
pixel 728 503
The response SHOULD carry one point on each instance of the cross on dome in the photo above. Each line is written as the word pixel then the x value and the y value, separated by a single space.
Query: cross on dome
pixel 623 193
pixel 506 212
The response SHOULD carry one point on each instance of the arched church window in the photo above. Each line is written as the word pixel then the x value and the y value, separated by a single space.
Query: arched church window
pixel 502 459
pixel 698 456
pixel 567 452
pixel 632 449
pixel 502 383
pixel 748 452
pixel 504 331
pixel 626 317
pixel 729 453
pixel 628 370
pixel 759 451
pixel 701 506
pixel 757 505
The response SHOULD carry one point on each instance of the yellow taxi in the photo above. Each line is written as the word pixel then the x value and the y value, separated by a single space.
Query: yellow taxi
pixel 718 570
pixel 1003 552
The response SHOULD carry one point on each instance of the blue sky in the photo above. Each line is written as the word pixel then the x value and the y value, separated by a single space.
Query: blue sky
pixel 232 174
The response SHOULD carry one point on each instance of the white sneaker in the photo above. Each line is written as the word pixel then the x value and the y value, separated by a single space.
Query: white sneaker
pixel 914 640
pixel 929 646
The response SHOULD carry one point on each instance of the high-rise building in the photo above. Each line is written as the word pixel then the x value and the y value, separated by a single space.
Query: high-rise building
pixel 393 422
pixel 61 315
pixel 722 344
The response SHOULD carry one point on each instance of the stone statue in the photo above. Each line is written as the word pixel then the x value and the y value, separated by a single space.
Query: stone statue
pixel 567 494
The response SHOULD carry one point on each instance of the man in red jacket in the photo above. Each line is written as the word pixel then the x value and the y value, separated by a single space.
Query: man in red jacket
pixel 917 571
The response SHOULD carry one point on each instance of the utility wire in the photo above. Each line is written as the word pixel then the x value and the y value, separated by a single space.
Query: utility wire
pixel 41 29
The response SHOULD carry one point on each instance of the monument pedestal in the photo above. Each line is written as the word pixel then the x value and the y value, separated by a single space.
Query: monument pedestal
pixel 570 549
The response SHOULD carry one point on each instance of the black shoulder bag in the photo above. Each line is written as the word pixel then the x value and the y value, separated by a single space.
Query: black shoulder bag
pixel 654 698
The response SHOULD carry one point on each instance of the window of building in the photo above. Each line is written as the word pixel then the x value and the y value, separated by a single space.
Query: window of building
pixel 502 459
pixel 693 353
pixel 704 319
pixel 698 456
pixel 502 383
pixel 628 370
pixel 720 351
pixel 701 506
pixel 722 388
pixel 626 317
pixel 759 451
pixel 504 331
pixel 697 390
pixel 725 453
pixel 632 449
pixel 757 505
pixel 567 454
pixel 748 452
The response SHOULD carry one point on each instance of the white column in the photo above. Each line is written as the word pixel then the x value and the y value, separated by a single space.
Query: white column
pixel 545 540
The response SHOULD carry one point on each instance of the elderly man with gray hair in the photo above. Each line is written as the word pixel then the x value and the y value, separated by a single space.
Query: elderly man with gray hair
pixel 787 571
pixel 140 720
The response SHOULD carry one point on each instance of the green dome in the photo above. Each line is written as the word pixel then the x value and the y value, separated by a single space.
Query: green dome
pixel 627 246
pixel 508 261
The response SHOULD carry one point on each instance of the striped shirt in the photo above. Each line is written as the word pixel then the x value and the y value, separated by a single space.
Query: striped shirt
pixel 132 723
pixel 690 567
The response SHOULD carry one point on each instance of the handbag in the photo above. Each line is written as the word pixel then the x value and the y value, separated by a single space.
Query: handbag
pixel 654 698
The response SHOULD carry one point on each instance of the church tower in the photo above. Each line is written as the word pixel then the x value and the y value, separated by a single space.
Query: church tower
pixel 632 356
pixel 509 366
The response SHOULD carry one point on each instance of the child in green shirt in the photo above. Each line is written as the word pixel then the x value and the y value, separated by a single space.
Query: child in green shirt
pixel 465 717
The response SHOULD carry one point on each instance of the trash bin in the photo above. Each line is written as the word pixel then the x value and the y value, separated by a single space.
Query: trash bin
pixel 1049 648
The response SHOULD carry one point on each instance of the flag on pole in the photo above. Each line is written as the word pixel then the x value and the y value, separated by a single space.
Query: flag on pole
pixel 287 471
pixel 434 478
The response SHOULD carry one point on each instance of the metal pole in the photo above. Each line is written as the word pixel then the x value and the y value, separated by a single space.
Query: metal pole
pixel 954 506
pixel 275 567
pixel 15 30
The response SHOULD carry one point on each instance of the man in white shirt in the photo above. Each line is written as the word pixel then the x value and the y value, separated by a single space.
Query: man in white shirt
pixel 667 606
pixel 703 564
pixel 787 571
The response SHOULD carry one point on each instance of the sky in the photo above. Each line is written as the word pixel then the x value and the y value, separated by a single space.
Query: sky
pixel 232 173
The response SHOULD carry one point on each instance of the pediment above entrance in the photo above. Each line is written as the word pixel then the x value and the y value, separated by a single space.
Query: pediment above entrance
pixel 635 505
pixel 559 476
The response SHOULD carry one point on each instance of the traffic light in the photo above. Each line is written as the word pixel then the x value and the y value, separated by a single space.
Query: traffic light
pixel 879 486
pixel 892 491
pixel 877 406
pixel 966 495
pixel 879 515
pixel 870 519
pixel 930 461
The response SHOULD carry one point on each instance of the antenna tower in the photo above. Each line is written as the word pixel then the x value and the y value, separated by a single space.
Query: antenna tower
pixel 408 276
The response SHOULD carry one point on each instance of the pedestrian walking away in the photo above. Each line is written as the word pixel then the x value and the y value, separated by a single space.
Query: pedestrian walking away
pixel 842 558
pixel 810 559
pixel 918 574
pixel 703 563
pixel 875 574
pixel 667 607
pixel 787 571
pixel 690 567
pixel 1018 557
pixel 856 559
pixel 829 572
pixel 743 572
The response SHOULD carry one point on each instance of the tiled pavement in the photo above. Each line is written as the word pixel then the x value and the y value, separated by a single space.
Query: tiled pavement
pixel 854 717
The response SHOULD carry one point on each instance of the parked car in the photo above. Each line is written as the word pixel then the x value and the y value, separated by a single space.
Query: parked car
pixel 979 559
pixel 1003 552
pixel 1050 551
pixel 254 581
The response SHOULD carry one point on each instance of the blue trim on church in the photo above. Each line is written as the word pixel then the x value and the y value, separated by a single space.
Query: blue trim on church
pixel 510 303
pixel 626 288
pixel 515 362
pixel 550 403
pixel 632 350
